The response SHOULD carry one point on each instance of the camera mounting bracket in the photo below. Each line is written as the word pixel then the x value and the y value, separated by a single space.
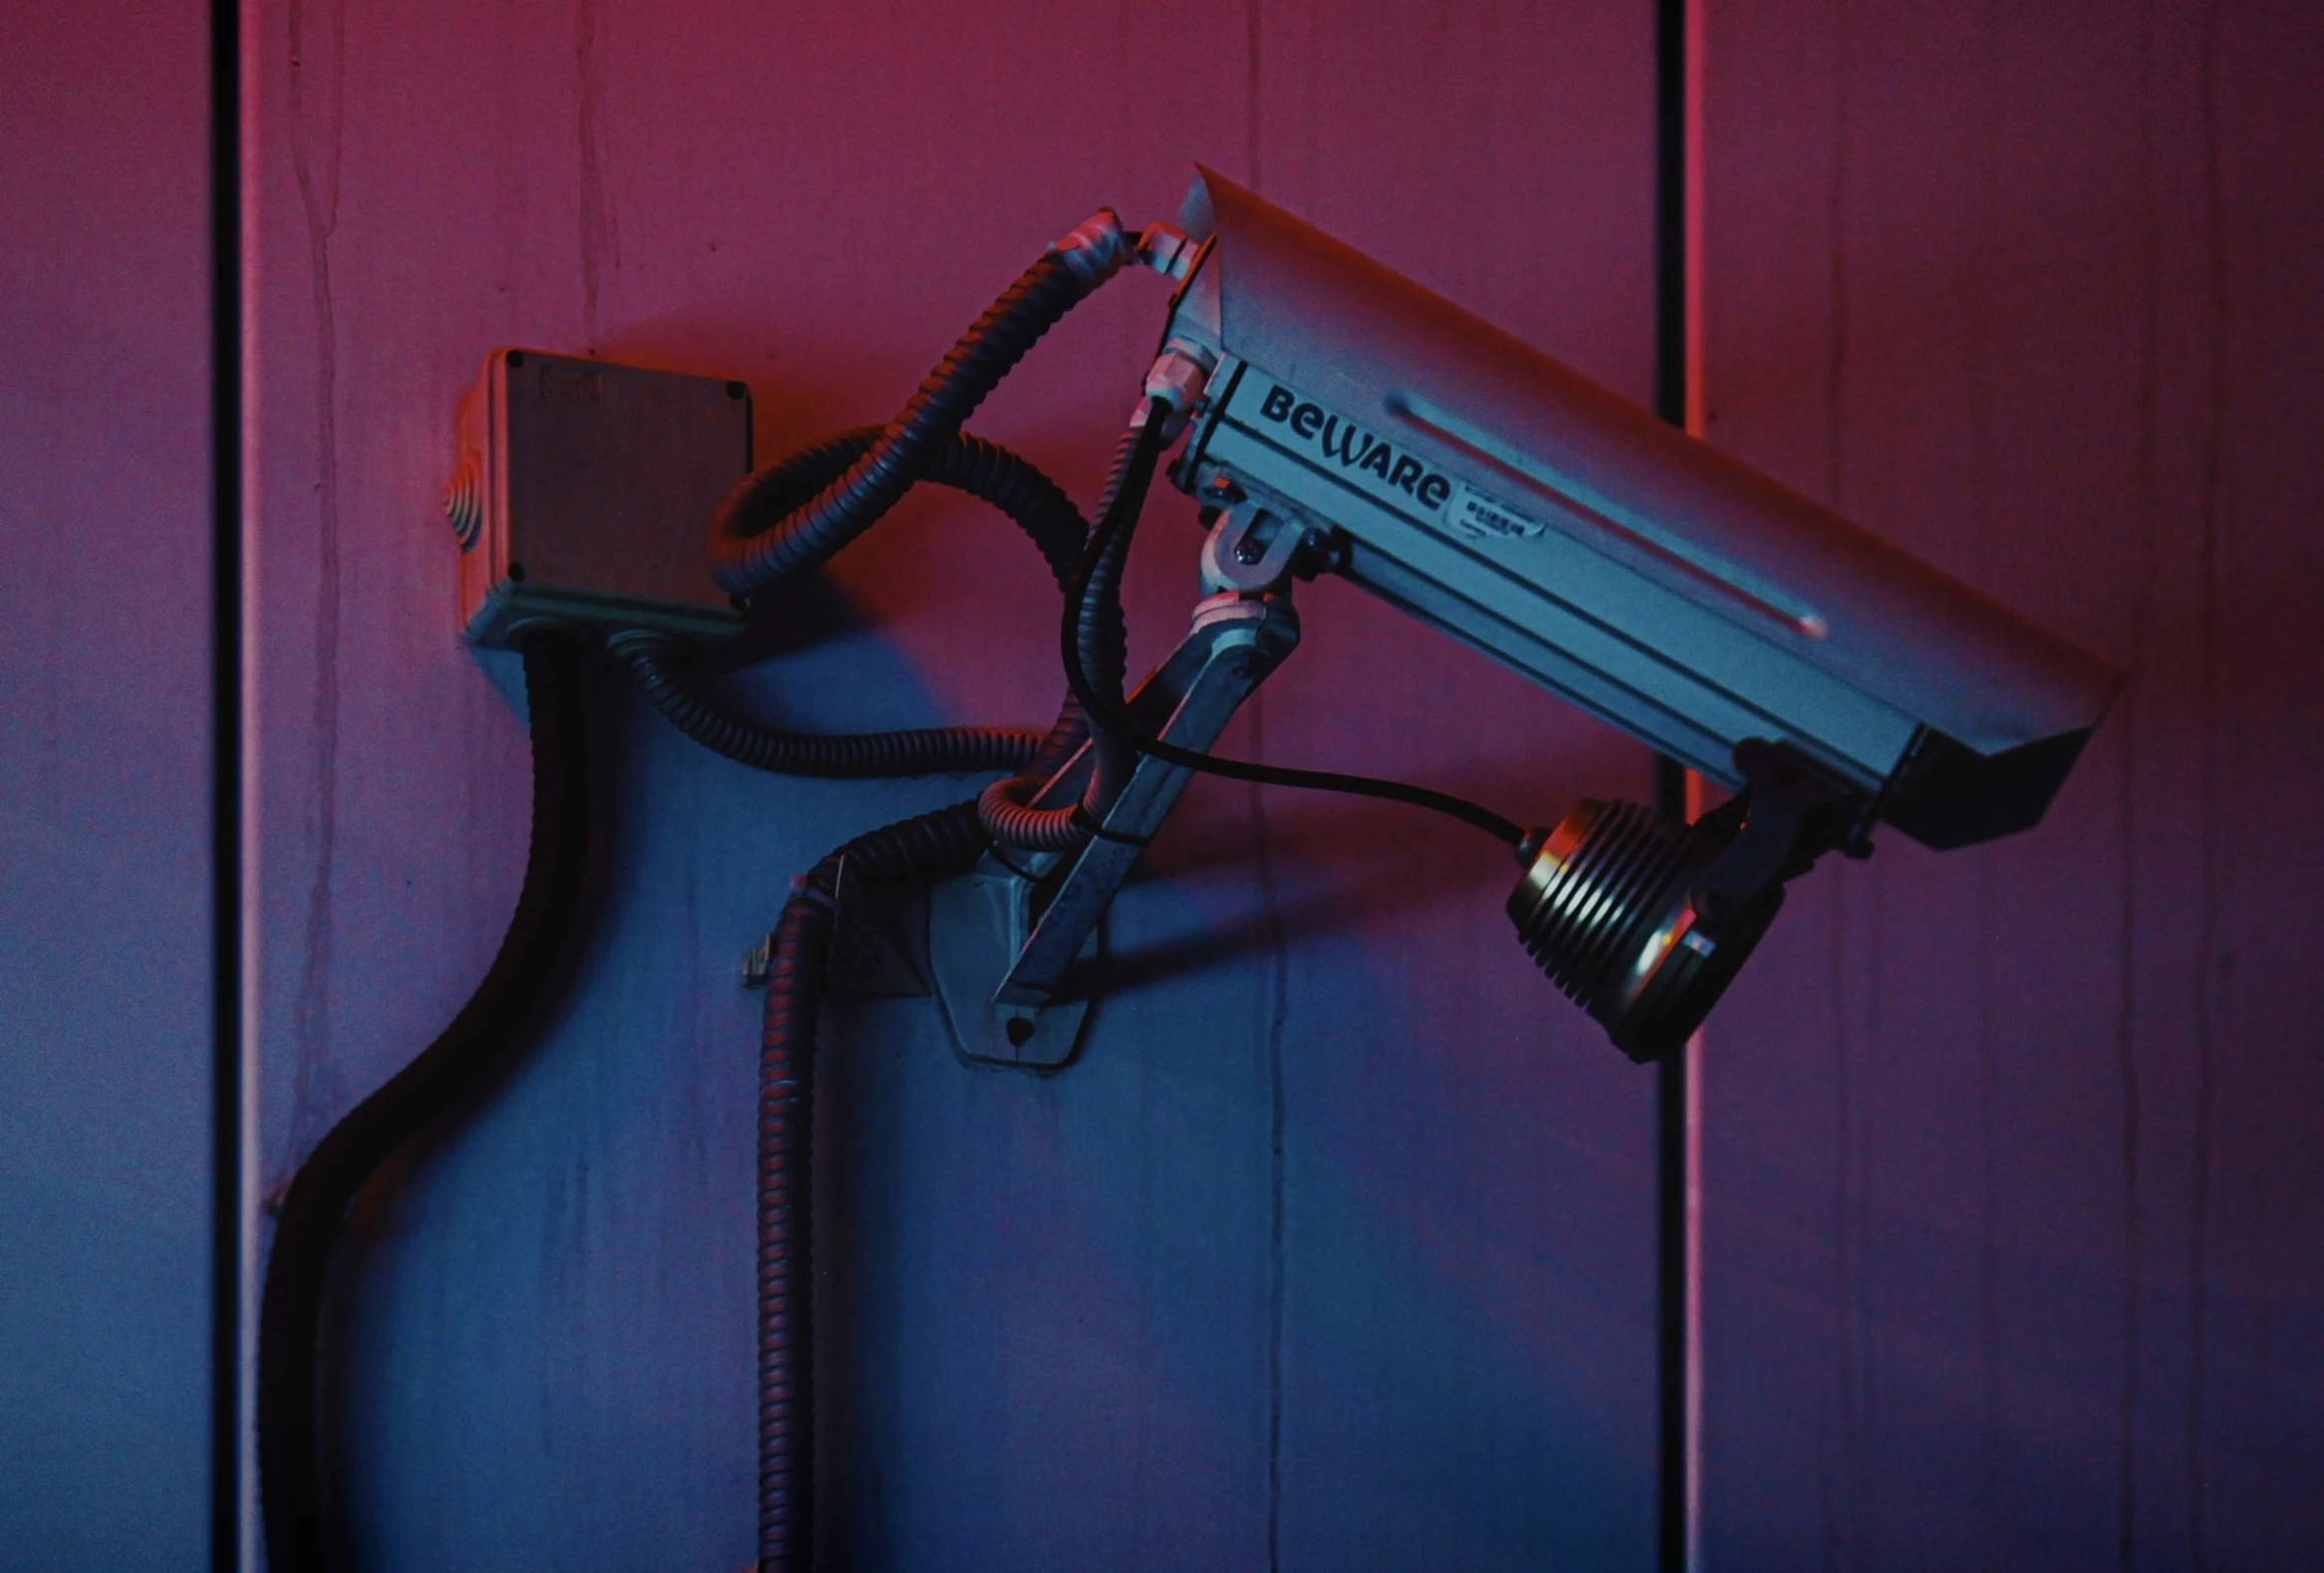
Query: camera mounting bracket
pixel 1030 920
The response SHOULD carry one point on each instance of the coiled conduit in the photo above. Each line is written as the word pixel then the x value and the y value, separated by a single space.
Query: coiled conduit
pixel 1102 639
pixel 781 522
pixel 762 536
pixel 985 471
pixel 765 534
pixel 793 516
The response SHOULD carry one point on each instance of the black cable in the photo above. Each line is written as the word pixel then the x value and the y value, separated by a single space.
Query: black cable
pixel 795 515
pixel 1006 812
pixel 1111 714
pixel 1102 639
pixel 756 544
pixel 659 661
pixel 488 1031
pixel 761 503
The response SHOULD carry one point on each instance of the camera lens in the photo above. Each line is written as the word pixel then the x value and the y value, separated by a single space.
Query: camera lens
pixel 1603 910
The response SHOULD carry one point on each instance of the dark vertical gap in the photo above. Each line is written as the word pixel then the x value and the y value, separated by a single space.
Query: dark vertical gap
pixel 226 248
pixel 1671 800
pixel 1670 210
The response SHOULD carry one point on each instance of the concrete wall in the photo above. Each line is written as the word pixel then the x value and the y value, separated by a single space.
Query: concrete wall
pixel 105 760
pixel 2012 1169
pixel 1336 1247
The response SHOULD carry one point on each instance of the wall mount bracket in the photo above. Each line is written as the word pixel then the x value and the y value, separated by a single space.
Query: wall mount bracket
pixel 865 956
pixel 1028 921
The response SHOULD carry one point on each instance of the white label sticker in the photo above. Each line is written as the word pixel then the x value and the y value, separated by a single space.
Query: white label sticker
pixel 1481 517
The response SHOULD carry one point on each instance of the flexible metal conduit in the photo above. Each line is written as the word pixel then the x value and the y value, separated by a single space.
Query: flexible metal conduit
pixel 762 535
pixel 1105 647
pixel 948 841
pixel 781 522
pixel 663 662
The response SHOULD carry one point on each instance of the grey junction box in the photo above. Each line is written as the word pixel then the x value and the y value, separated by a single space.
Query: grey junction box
pixel 582 490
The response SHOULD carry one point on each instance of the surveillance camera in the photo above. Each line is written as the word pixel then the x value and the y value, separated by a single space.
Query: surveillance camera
pixel 1656 583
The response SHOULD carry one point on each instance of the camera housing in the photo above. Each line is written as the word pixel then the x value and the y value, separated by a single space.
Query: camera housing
pixel 1660 585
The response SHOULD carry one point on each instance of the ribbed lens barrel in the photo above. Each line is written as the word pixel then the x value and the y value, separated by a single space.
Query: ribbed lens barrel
pixel 1603 910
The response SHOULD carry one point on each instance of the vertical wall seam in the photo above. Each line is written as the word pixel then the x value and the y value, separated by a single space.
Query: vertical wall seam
pixel 1864 1472
pixel 1279 986
pixel 599 236
pixel 1278 1002
pixel 1990 247
pixel 1838 1496
pixel 229 1137
pixel 1278 942
pixel 314 1100
pixel 1843 1498
pixel 1989 1224
pixel 2211 966
pixel 2127 938
pixel 249 74
pixel 1679 401
pixel 1691 264
pixel 1252 166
